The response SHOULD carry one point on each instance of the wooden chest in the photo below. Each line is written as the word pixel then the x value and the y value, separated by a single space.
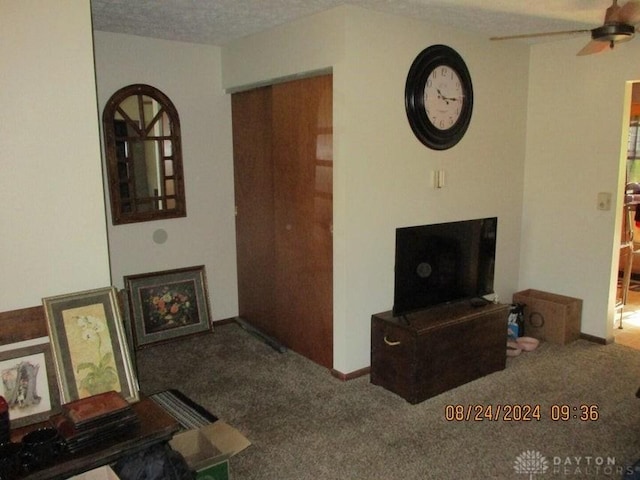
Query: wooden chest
pixel 425 353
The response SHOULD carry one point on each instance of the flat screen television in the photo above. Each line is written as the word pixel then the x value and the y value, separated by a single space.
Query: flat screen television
pixel 444 262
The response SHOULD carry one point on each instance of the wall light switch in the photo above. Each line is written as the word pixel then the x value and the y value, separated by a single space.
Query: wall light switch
pixel 604 201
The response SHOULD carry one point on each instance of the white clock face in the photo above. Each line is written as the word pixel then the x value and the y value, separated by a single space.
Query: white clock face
pixel 443 97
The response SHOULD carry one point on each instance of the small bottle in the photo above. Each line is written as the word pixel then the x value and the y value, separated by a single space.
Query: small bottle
pixel 5 428
pixel 519 310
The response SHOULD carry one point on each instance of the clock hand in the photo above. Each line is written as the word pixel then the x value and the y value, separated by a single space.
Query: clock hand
pixel 440 95
pixel 448 99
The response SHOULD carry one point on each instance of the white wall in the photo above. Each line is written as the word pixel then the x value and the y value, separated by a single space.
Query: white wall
pixel 575 137
pixel 189 75
pixel 382 174
pixel 53 239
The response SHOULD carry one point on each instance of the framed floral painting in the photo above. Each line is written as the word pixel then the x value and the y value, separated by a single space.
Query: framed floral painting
pixel 29 384
pixel 167 305
pixel 89 346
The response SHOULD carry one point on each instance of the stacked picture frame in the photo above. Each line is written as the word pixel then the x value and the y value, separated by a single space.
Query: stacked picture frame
pixel 92 339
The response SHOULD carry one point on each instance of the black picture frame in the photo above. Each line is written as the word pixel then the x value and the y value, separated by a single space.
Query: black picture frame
pixel 427 60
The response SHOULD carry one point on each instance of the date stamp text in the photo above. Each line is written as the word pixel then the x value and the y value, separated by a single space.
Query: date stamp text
pixel 520 412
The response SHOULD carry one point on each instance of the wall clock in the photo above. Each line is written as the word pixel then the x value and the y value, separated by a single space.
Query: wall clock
pixel 438 97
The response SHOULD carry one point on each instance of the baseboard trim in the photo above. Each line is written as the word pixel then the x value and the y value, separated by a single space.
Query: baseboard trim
pixel 350 376
pixel 594 339
pixel 224 321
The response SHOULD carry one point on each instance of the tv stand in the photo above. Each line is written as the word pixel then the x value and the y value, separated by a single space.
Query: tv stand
pixel 438 349
pixel 478 302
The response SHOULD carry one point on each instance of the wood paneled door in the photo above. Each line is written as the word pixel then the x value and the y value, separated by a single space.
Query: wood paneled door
pixel 283 166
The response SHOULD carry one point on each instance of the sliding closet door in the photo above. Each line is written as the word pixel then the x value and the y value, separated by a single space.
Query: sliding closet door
pixel 298 241
pixel 302 149
pixel 253 172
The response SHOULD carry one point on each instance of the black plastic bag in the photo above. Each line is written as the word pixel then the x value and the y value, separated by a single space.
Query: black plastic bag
pixel 159 462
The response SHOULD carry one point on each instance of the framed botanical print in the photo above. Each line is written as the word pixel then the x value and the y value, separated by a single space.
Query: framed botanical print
pixel 89 345
pixel 29 383
pixel 167 305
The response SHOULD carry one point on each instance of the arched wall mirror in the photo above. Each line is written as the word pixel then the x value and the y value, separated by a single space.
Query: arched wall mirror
pixel 144 156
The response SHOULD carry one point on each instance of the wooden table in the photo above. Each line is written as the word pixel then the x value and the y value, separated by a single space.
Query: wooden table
pixel 156 426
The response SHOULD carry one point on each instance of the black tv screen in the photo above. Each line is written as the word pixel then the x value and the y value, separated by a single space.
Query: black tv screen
pixel 443 262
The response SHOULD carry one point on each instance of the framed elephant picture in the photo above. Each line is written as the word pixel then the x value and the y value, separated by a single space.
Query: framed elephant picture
pixel 29 384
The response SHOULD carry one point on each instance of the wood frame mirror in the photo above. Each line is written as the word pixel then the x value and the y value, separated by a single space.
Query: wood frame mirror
pixel 144 155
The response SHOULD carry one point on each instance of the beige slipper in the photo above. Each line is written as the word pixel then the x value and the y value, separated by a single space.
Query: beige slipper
pixel 513 349
pixel 527 344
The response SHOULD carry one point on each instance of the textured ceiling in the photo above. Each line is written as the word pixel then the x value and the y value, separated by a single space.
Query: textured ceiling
pixel 217 22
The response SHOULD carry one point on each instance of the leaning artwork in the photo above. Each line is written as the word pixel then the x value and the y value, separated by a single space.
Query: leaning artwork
pixel 28 384
pixel 89 345
pixel 168 305
pixel 90 350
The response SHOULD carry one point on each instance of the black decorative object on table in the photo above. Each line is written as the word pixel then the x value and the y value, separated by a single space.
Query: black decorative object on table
pixel 41 448
pixel 10 464
pixel 5 427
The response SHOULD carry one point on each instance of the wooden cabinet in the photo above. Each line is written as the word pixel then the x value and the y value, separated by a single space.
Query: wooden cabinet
pixel 425 353
pixel 283 164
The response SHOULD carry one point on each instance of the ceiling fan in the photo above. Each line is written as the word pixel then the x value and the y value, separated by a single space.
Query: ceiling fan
pixel 619 26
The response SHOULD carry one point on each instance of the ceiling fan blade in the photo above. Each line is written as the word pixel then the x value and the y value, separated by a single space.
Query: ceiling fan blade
pixel 534 35
pixel 629 13
pixel 593 46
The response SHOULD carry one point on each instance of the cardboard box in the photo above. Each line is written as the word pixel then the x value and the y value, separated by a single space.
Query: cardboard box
pixel 207 449
pixel 101 473
pixel 550 317
pixel 219 471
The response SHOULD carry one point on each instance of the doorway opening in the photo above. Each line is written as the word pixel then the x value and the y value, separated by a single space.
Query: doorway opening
pixel 627 327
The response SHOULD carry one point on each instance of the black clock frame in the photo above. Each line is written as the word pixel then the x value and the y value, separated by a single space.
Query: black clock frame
pixel 428 60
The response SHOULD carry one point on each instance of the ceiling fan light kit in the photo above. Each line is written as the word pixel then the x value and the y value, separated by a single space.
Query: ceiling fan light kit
pixel 618 32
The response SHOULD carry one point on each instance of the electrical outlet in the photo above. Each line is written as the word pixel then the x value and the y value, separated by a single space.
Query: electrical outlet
pixel 604 201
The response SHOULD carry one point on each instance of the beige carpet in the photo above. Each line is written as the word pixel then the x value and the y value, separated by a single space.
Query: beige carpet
pixel 305 424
